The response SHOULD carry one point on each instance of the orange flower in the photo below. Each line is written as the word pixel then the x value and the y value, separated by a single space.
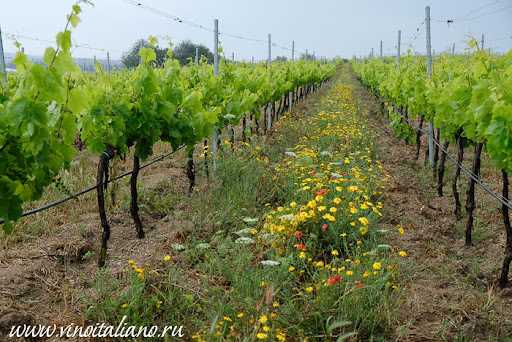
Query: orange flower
pixel 359 285
pixel 300 246
pixel 298 235
pixel 325 227
pixel 333 280
pixel 321 192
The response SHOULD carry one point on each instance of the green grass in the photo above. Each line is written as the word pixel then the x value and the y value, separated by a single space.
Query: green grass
pixel 215 287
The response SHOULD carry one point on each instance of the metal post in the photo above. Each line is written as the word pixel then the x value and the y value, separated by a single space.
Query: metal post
pixel 216 47
pixel 108 62
pixel 483 41
pixel 453 49
pixel 268 113
pixel 215 135
pixel 307 54
pixel 197 55
pixel 371 54
pixel 233 57
pixel 252 59
pixel 269 60
pixel 429 74
pixel 398 48
pixel 293 50
pixel 3 68
pixel 381 55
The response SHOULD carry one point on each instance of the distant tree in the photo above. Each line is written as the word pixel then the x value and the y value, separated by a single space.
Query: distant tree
pixel 186 51
pixel 131 59
pixel 307 56
pixel 281 59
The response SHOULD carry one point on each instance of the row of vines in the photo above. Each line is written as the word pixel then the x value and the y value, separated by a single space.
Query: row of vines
pixel 49 111
pixel 469 100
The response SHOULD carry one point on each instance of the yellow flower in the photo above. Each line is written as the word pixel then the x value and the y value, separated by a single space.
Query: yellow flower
pixel 309 289
pixel 319 198
pixel 335 252
pixel 227 318
pixel 266 328
pixel 281 337
pixel 363 231
pixel 319 264
pixel 329 217
pixel 364 206
pixel 353 188
pixel 333 210
pixel 167 258
pixel 312 204
pixel 124 306
pixel 291 269
pixel 263 319
pixel 353 210
pixel 401 230
pixel 402 254
pixel 366 274
pixel 302 255
pixel 293 204
pixel 364 221
pixel 240 315
pixel 261 336
pixel 339 189
pixel 377 266
pixel 321 208
pixel 337 200
pixel 349 273
pixel 275 304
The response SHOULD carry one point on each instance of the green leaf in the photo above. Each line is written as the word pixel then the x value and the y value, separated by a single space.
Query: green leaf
pixel 147 55
pixel 64 40
pixel 74 20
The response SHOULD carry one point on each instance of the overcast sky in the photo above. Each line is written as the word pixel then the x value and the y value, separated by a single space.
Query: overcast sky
pixel 327 27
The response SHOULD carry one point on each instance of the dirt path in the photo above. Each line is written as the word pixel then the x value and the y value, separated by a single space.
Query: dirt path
pixel 449 291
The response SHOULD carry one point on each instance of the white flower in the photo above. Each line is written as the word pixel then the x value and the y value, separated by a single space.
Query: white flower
pixel 178 247
pixel 325 154
pixel 244 232
pixel 229 116
pixel 269 263
pixel 384 247
pixel 244 240
pixel 203 246
pixel 336 175
pixel 288 217
pixel 250 221
pixel 290 154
